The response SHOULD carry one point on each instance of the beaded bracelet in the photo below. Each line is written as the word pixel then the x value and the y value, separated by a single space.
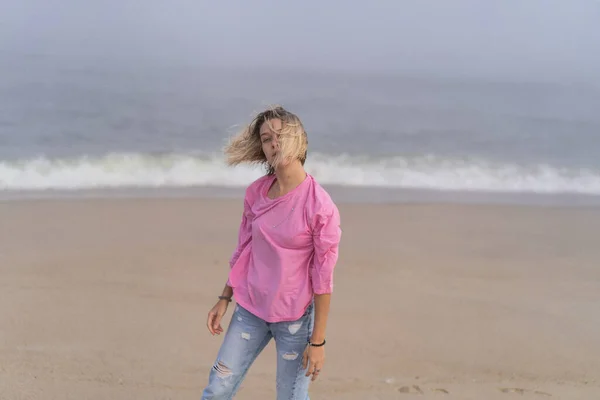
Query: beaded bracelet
pixel 317 345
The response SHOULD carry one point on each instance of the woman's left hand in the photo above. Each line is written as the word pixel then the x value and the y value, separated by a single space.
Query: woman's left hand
pixel 313 358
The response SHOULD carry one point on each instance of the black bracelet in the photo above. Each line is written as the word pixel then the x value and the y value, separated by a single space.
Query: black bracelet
pixel 225 298
pixel 317 345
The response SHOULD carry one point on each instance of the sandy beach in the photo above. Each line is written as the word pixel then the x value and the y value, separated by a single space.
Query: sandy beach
pixel 106 299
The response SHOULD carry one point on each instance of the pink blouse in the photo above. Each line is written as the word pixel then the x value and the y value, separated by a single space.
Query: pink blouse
pixel 287 249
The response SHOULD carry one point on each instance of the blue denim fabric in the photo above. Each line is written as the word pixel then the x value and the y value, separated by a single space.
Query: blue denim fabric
pixel 244 340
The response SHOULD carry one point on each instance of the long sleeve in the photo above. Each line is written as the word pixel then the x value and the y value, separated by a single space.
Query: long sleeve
pixel 244 234
pixel 326 238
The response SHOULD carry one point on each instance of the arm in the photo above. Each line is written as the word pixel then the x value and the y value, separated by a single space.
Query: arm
pixel 244 238
pixel 322 302
pixel 215 315
pixel 326 238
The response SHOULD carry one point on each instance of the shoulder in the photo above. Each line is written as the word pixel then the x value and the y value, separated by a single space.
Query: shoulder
pixel 320 203
pixel 254 190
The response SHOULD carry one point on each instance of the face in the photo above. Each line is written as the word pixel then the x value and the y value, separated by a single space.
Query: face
pixel 269 139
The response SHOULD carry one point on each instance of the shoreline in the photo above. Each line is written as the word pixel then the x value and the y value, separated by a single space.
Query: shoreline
pixel 340 194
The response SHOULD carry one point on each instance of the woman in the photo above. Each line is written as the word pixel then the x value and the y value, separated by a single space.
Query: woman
pixel 281 273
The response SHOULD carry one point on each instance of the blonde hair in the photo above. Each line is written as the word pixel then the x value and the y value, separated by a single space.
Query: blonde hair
pixel 246 147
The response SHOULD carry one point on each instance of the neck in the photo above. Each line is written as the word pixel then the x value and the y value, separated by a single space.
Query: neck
pixel 289 176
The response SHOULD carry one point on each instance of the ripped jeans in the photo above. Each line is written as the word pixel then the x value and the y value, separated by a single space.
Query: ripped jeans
pixel 246 337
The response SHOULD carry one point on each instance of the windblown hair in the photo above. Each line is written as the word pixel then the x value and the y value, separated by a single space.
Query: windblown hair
pixel 246 147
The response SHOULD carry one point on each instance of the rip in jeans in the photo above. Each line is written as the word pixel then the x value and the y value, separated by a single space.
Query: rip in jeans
pixel 222 370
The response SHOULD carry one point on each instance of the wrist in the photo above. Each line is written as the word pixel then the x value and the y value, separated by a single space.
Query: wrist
pixel 226 299
pixel 317 338
pixel 314 343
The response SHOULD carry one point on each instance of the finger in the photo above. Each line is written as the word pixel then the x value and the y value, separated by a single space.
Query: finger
pixel 216 322
pixel 315 376
pixel 316 371
pixel 317 366
pixel 209 323
pixel 305 358
pixel 311 367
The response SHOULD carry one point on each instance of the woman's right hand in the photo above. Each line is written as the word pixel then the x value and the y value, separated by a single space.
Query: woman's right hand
pixel 215 315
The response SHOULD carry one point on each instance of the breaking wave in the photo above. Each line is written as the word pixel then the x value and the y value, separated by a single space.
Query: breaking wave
pixel 122 170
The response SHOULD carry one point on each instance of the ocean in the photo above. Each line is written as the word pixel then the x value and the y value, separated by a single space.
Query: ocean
pixel 68 128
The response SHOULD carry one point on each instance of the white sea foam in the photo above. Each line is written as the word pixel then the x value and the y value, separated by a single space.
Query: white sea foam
pixel 123 170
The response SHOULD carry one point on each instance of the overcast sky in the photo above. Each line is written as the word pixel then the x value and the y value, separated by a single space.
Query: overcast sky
pixel 542 38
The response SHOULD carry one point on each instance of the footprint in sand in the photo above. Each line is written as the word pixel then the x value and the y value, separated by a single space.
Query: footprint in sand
pixel 408 389
pixel 522 391
pixel 415 389
pixel 512 390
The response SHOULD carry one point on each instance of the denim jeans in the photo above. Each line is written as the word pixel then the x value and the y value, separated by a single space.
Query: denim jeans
pixel 245 338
